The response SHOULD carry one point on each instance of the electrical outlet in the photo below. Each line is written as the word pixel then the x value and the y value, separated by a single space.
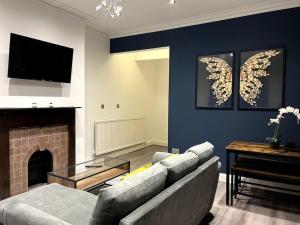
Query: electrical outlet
pixel 118 106
pixel 102 106
pixel 175 150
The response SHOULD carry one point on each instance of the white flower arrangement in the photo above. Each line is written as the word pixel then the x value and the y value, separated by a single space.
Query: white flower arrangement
pixel 283 111
pixel 276 137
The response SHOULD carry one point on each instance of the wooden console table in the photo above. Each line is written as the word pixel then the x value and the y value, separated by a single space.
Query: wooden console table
pixel 282 167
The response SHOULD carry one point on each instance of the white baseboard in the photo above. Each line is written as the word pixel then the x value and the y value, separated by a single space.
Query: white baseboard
pixel 157 142
pixel 222 177
pixel 134 148
pixel 123 151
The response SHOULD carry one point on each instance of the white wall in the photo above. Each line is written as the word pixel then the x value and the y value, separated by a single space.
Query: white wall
pixel 157 72
pixel 38 20
pixel 139 87
pixel 120 79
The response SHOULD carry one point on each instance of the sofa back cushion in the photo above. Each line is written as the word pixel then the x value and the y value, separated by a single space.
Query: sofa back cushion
pixel 117 201
pixel 204 151
pixel 180 166
pixel 159 156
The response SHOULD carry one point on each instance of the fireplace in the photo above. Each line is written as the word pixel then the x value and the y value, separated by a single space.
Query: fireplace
pixel 32 143
pixel 30 150
pixel 39 165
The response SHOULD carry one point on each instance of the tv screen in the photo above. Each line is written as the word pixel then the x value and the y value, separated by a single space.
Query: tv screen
pixel 38 60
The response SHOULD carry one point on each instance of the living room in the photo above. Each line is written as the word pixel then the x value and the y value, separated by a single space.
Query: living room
pixel 149 112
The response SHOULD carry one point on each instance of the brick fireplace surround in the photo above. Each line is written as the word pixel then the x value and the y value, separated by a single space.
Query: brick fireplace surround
pixel 25 131
pixel 25 142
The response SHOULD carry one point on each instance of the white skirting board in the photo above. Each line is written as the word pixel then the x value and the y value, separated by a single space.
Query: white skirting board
pixel 222 177
pixel 123 151
pixel 157 142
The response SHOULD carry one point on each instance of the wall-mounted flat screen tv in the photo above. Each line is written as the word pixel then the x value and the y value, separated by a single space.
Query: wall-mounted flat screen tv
pixel 38 60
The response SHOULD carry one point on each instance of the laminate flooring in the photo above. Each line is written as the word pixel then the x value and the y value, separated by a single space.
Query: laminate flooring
pixel 143 156
pixel 281 210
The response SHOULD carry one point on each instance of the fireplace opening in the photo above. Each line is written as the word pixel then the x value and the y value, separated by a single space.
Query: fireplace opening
pixel 39 165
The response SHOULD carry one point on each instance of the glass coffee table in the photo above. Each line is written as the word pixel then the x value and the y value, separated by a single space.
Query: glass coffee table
pixel 91 174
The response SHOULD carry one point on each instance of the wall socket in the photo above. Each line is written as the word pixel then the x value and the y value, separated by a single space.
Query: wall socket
pixel 102 106
pixel 118 106
pixel 175 150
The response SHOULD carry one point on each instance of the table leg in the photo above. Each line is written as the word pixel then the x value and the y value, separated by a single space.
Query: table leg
pixel 235 177
pixel 227 176
pixel 232 185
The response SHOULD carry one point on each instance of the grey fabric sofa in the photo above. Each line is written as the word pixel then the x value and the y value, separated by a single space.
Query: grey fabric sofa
pixel 186 201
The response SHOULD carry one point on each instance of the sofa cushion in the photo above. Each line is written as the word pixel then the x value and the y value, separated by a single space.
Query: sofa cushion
pixel 180 166
pixel 22 214
pixel 70 205
pixel 204 151
pixel 117 201
pixel 159 156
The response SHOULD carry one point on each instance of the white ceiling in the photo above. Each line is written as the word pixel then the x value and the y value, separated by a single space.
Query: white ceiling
pixel 142 16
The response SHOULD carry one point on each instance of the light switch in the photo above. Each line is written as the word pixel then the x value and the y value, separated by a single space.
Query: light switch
pixel 102 106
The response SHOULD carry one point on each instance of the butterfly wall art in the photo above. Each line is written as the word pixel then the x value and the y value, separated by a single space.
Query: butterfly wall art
pixel 215 81
pixel 261 79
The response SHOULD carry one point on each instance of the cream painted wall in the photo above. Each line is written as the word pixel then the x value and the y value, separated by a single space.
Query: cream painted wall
pixel 159 130
pixel 157 72
pixel 120 79
pixel 38 20
pixel 150 54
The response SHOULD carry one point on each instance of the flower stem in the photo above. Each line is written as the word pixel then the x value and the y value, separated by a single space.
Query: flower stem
pixel 276 133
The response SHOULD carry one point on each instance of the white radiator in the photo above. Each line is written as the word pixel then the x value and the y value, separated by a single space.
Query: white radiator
pixel 113 135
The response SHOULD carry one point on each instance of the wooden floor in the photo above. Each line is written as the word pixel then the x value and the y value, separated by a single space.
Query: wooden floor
pixel 245 211
pixel 282 210
pixel 141 157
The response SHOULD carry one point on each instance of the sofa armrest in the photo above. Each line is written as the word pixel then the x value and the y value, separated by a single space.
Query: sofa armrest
pixel 22 214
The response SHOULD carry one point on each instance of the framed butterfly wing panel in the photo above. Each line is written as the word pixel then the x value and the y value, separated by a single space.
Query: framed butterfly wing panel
pixel 214 86
pixel 261 79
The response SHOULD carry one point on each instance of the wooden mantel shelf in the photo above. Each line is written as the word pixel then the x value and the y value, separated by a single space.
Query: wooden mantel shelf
pixel 31 108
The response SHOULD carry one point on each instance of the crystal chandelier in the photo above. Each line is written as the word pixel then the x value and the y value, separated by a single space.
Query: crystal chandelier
pixel 110 7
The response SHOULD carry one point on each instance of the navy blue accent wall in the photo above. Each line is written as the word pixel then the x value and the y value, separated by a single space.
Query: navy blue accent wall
pixel 189 126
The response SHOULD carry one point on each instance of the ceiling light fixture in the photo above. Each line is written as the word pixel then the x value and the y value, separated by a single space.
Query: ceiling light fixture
pixel 110 7
pixel 172 2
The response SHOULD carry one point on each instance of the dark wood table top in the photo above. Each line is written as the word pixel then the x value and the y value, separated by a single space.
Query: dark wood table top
pixel 260 149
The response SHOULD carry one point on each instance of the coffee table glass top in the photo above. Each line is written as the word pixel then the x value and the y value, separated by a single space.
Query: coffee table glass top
pixel 91 168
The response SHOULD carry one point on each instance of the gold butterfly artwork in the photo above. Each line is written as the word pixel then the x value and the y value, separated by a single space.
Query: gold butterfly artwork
pixel 254 68
pixel 221 73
